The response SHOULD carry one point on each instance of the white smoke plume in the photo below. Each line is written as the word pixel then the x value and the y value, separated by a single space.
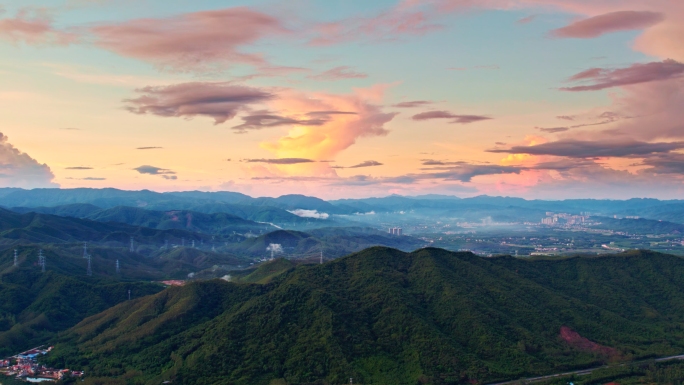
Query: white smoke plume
pixel 275 248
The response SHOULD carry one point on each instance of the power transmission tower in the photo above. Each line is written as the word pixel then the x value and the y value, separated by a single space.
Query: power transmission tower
pixel 193 243
pixel 118 267
pixel 129 294
pixel 166 244
pixel 16 259
pixel 89 271
pixel 132 246
pixel 41 261
pixel 321 256
pixel 85 249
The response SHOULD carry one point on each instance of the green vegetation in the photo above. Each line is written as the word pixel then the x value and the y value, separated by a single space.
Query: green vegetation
pixel 34 306
pixel 383 316
pixel 265 272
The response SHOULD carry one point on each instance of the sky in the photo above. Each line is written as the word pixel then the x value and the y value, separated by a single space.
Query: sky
pixel 541 99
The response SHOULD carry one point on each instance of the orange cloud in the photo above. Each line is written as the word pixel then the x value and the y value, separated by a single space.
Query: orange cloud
pixel 350 117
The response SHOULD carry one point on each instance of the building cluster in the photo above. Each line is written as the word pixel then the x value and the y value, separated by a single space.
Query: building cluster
pixel 396 231
pixel 563 219
pixel 25 366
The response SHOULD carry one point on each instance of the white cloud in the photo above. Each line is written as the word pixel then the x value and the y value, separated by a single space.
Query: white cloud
pixel 309 214
pixel 18 169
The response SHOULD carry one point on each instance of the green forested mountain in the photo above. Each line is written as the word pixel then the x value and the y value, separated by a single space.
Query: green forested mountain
pixel 34 306
pixel 383 316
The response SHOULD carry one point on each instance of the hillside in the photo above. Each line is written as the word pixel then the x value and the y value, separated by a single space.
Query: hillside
pixel 34 306
pixel 216 223
pixel 45 228
pixel 383 316
pixel 334 242
pixel 265 272
pixel 639 226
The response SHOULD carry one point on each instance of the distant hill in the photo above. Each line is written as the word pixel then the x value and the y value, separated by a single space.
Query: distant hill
pixel 334 242
pixel 639 226
pixel 45 228
pixel 217 223
pixel 383 316
pixel 206 213
pixel 189 200
pixel 76 210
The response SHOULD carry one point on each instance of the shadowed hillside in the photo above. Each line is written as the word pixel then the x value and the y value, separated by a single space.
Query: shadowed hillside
pixel 34 306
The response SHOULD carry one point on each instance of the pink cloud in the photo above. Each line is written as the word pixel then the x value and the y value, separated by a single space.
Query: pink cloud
pixel 33 27
pixel 526 20
pixel 220 101
pixel 656 108
pixel 609 22
pixel 594 148
pixel 461 119
pixel 602 78
pixel 389 25
pixel 412 104
pixel 338 73
pixel 192 41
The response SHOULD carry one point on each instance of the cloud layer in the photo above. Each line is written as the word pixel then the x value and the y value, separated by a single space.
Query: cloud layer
pixel 281 161
pixel 191 41
pixel 601 78
pixel 351 116
pixel 338 73
pixel 459 119
pixel 151 170
pixel 33 27
pixel 609 22
pixel 594 149
pixel 220 101
pixel 266 120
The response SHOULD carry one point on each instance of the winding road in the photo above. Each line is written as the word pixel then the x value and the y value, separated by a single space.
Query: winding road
pixel 584 372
